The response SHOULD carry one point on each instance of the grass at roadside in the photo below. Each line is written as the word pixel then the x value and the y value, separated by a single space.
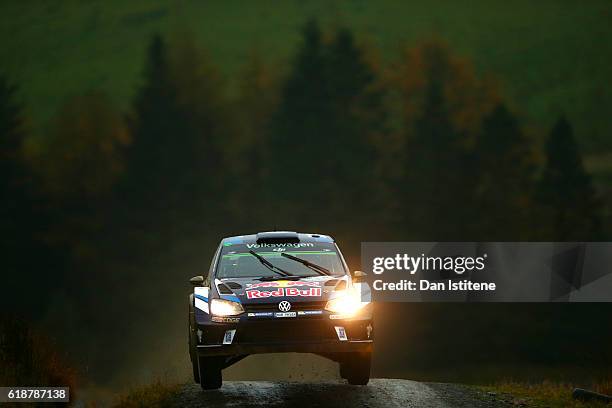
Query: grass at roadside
pixel 157 394
pixel 546 394
pixel 29 358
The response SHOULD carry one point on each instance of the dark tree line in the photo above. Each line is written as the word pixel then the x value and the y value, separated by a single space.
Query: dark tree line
pixel 312 153
pixel 420 150
pixel 29 260
pixel 320 150
pixel 569 203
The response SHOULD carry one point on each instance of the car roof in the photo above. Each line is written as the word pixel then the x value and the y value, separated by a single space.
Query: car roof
pixel 280 235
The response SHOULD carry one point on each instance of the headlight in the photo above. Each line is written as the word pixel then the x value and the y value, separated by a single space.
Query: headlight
pixel 221 307
pixel 346 304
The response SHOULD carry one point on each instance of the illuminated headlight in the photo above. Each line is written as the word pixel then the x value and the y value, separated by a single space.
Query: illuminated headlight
pixel 346 304
pixel 221 307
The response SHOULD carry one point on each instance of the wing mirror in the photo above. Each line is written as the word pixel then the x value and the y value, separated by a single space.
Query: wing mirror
pixel 359 276
pixel 197 280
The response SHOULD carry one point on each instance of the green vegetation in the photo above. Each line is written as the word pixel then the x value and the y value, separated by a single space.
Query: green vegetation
pixel 157 395
pixel 27 357
pixel 565 189
pixel 550 56
pixel 143 168
pixel 546 394
pixel 329 112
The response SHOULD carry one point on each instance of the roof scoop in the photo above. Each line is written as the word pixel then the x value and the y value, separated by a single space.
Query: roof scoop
pixel 278 237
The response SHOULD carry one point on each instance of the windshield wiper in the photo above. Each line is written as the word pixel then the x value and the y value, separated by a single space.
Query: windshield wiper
pixel 317 268
pixel 269 265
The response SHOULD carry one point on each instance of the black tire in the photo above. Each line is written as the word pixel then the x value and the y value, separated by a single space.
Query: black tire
pixel 196 371
pixel 356 368
pixel 343 370
pixel 193 353
pixel 210 373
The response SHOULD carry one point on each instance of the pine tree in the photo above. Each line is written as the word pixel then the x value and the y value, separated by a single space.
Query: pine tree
pixel 203 148
pixel 28 264
pixel 437 179
pixel 15 180
pixel 565 190
pixel 256 102
pixel 299 137
pixel 504 177
pixel 171 161
pixel 358 118
pixel 156 127
pixel 439 109
pixel 11 139
pixel 321 148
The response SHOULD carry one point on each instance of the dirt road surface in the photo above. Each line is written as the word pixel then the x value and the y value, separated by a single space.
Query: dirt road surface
pixel 378 393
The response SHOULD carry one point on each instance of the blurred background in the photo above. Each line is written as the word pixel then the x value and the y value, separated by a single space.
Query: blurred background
pixel 135 135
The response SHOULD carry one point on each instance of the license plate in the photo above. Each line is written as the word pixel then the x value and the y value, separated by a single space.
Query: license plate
pixel 285 314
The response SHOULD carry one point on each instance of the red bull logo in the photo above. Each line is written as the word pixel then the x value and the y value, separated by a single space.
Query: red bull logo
pixel 281 292
pixel 282 284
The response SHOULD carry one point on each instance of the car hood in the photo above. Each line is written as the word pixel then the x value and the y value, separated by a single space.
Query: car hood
pixel 306 289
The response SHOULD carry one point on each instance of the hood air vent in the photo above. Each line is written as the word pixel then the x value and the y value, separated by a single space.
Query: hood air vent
pixel 224 290
pixel 233 285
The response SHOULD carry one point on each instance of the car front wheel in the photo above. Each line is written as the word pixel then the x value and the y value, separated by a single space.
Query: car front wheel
pixel 209 370
pixel 356 368
pixel 193 353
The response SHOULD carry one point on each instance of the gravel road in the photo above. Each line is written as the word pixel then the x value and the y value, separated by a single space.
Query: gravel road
pixel 378 393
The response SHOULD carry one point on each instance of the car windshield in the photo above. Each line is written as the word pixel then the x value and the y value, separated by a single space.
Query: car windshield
pixel 237 261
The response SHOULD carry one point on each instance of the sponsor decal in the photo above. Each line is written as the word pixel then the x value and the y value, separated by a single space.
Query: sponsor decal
pixel 231 298
pixel 299 313
pixel 260 294
pixel 337 317
pixel 201 292
pixel 261 314
pixel 303 292
pixel 200 304
pixel 225 319
pixel 282 284
pixel 285 314
pixel 282 245
pixel 309 312
pixel 276 252
pixel 200 300
pixel 281 292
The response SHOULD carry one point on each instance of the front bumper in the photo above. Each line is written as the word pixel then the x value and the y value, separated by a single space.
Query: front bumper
pixel 319 335
pixel 254 348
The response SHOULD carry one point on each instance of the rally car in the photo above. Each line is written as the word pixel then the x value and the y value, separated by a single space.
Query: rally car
pixel 276 292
